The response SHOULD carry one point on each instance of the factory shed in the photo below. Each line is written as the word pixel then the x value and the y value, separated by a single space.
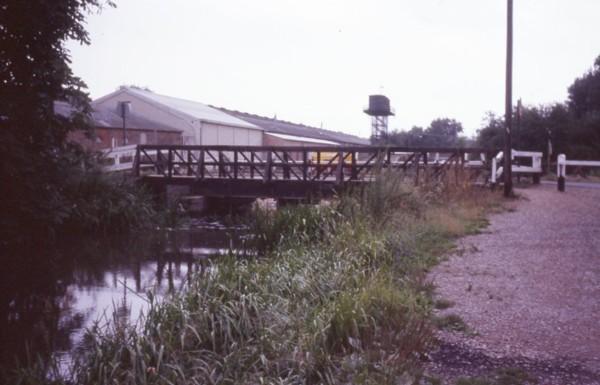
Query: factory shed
pixel 107 129
pixel 199 123
pixel 283 133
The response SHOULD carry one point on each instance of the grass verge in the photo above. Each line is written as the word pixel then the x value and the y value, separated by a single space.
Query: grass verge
pixel 335 294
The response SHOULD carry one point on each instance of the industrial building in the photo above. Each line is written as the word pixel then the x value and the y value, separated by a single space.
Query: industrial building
pixel 132 115
pixel 282 133
pixel 199 123
pixel 109 132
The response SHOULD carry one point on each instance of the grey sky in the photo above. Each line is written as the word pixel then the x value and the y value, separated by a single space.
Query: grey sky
pixel 316 62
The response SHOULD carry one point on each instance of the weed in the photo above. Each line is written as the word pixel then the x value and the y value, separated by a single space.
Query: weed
pixel 442 304
pixel 451 322
pixel 514 376
pixel 431 380
pixel 504 376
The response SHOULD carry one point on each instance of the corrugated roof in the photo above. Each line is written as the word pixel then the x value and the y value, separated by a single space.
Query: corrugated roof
pixel 192 109
pixel 103 117
pixel 295 138
pixel 289 128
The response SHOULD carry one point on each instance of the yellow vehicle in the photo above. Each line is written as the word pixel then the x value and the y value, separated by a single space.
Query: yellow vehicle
pixel 326 157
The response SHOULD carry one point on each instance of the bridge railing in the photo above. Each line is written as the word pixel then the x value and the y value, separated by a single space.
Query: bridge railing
pixel 309 164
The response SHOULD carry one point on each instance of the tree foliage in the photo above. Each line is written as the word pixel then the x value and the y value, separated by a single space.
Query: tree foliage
pixel 584 93
pixel 572 127
pixel 35 157
pixel 442 132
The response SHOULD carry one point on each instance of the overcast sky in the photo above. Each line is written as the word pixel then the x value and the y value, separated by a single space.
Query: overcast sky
pixel 316 61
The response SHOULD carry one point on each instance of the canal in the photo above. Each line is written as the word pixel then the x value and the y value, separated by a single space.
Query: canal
pixel 49 298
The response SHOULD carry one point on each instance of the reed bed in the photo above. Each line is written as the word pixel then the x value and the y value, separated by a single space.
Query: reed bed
pixel 335 295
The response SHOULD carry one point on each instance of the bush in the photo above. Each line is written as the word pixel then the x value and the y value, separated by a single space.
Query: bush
pixel 107 204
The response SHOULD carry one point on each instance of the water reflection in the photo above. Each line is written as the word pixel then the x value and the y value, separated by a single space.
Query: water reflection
pixel 49 297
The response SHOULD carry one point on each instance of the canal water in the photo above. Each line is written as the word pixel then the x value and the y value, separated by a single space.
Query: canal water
pixel 49 298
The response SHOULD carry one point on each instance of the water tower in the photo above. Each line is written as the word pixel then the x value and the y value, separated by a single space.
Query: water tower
pixel 379 110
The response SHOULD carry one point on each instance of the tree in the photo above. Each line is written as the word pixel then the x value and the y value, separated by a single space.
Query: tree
pixel 584 107
pixel 34 154
pixel 491 135
pixel 572 127
pixel 584 93
pixel 443 133
pixel 531 131
pixel 440 133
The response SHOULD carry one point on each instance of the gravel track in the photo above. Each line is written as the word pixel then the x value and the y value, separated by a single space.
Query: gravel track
pixel 528 288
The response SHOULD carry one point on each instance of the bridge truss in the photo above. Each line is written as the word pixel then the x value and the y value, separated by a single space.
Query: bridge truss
pixel 293 172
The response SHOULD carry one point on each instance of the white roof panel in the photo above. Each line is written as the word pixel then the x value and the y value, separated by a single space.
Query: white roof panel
pixel 301 139
pixel 193 109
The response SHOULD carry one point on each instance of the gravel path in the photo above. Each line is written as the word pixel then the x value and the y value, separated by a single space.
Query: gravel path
pixel 528 289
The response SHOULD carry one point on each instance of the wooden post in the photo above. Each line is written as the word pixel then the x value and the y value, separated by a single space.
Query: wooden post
pixel 459 166
pixel 157 162
pixel 189 163
pixel 304 164
pixel 318 164
pixel 170 163
pixel 235 164
pixel 339 178
pixel 426 167
pixel 251 164
pixel 286 166
pixel 137 161
pixel 201 164
pixel 267 176
pixel 354 172
pixel 388 161
pixel 416 159
pixel 221 166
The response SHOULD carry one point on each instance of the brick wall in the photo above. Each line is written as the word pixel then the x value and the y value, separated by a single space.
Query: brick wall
pixel 103 137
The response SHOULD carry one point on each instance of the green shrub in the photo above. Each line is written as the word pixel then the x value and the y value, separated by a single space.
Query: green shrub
pixel 107 204
pixel 289 224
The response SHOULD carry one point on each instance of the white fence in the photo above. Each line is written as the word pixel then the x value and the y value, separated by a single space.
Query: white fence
pixel 561 168
pixel 534 169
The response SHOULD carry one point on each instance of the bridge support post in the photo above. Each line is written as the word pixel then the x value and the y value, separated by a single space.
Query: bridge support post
pixel 339 173
pixel 354 172
pixel 286 166
pixel 416 160
pixel 425 167
pixel 221 164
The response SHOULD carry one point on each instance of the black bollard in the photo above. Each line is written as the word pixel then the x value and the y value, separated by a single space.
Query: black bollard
pixel 561 183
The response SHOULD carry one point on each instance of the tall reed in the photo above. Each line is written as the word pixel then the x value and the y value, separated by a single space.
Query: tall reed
pixel 335 295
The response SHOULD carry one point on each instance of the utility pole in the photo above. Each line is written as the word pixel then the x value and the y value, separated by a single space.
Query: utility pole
pixel 508 188
pixel 125 106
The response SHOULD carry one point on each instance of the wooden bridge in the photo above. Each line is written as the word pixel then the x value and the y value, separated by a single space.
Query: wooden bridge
pixel 292 172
